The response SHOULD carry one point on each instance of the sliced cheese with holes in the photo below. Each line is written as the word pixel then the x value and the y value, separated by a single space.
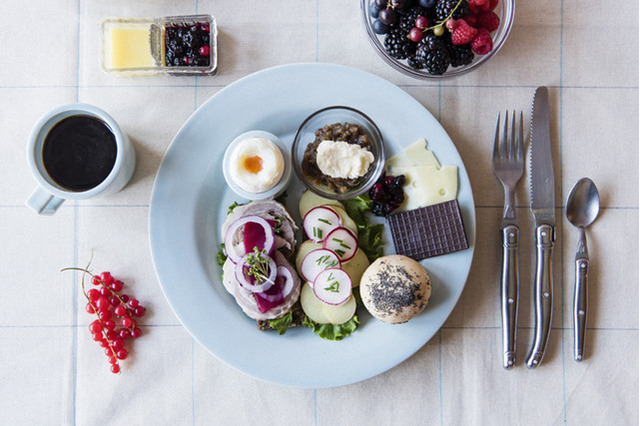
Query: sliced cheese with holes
pixel 428 185
pixel 415 154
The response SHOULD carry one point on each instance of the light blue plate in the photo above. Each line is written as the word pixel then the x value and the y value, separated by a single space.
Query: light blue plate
pixel 190 201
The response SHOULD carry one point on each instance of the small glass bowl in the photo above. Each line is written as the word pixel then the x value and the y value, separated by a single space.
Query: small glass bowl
pixel 505 10
pixel 286 175
pixel 331 115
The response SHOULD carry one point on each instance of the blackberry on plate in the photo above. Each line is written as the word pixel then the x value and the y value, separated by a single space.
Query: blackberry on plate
pixel 398 45
pixel 445 7
pixel 460 55
pixel 437 61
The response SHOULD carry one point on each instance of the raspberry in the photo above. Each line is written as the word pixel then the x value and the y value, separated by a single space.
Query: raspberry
pixel 482 43
pixel 488 20
pixel 463 32
pixel 471 19
pixel 477 6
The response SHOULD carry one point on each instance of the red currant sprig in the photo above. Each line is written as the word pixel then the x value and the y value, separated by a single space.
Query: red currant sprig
pixel 109 306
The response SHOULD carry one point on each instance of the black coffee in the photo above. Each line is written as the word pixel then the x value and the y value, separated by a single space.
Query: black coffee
pixel 79 152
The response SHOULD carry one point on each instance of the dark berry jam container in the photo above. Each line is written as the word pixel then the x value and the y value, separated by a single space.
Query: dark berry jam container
pixel 176 45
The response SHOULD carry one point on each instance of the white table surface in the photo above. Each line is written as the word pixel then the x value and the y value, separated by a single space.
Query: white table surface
pixel 53 373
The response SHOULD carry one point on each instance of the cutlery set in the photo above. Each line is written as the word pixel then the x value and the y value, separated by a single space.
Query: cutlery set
pixel 582 210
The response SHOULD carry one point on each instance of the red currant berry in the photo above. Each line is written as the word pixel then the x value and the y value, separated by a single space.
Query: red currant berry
pixel 111 334
pixel 204 50
pixel 125 298
pixel 95 327
pixel 120 310
pixel 139 311
pixel 118 343
pixel 116 285
pixel 104 343
pixel 127 322
pixel 104 314
pixel 105 292
pixel 114 300
pixel 115 368
pixel 109 324
pixel 93 294
pixel 97 336
pixel 124 333
pixel 136 332
pixel 108 351
pixel 90 308
pixel 106 278
pixel 415 34
pixel 113 360
pixel 422 22
pixel 102 303
pixel 95 280
pixel 133 303
pixel 122 354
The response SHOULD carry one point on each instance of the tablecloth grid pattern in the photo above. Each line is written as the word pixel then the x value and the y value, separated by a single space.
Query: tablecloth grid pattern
pixel 318 405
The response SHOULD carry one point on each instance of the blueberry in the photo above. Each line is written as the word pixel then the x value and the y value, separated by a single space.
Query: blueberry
pixel 427 3
pixel 379 28
pixel 374 10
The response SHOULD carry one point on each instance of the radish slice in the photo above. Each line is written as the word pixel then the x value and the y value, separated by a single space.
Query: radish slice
pixel 333 286
pixel 317 261
pixel 249 282
pixel 342 242
pixel 235 250
pixel 319 221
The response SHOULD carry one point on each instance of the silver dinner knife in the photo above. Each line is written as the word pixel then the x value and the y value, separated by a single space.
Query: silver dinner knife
pixel 542 186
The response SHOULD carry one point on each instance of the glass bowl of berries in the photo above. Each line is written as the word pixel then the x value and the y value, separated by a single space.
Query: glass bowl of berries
pixel 431 39
pixel 338 153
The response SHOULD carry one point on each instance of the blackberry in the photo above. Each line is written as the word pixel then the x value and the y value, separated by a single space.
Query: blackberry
pixel 408 20
pixel 436 61
pixel 398 45
pixel 445 7
pixel 431 41
pixel 461 55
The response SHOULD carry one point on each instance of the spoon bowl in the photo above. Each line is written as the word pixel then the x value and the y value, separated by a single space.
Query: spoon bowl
pixel 583 205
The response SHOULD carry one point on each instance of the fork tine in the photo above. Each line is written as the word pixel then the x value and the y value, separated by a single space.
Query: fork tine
pixel 521 140
pixel 496 141
pixel 505 151
pixel 512 139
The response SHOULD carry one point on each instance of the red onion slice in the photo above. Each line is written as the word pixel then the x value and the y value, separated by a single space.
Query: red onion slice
pixel 245 280
pixel 235 250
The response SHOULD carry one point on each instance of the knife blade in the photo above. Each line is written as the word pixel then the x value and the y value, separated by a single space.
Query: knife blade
pixel 542 197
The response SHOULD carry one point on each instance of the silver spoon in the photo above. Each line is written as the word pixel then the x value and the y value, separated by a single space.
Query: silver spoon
pixel 583 205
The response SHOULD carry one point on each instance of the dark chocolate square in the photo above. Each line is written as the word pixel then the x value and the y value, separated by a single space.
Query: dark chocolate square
pixel 429 231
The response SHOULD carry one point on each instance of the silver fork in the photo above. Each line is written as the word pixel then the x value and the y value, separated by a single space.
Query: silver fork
pixel 508 167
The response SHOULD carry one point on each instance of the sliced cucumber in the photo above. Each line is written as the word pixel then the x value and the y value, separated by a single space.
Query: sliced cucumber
pixel 340 314
pixel 319 222
pixel 311 305
pixel 309 200
pixel 305 248
pixel 356 266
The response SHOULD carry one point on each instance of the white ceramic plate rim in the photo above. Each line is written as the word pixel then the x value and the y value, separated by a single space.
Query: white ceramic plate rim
pixel 190 200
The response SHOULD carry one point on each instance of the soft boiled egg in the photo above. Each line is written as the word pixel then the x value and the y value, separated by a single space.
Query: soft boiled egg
pixel 256 164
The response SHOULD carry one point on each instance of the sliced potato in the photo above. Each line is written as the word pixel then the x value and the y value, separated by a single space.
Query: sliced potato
pixel 356 266
pixel 346 220
pixel 340 314
pixel 305 248
pixel 312 306
pixel 310 200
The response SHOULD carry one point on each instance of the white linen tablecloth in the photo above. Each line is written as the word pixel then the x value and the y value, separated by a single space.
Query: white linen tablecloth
pixel 52 372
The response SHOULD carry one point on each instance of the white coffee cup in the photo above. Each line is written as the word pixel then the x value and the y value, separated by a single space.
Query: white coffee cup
pixel 50 194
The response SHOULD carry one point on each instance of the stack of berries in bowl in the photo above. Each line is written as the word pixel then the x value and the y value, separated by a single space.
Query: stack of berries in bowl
pixel 431 36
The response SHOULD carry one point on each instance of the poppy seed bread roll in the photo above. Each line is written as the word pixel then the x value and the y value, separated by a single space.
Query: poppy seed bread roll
pixel 395 288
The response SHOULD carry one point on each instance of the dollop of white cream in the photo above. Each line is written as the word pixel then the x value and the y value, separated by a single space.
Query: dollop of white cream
pixel 339 159
pixel 256 165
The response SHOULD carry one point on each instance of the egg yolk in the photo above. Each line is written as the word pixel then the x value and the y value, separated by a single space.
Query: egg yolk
pixel 253 164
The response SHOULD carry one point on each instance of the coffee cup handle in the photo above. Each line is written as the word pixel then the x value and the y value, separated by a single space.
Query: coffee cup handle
pixel 44 202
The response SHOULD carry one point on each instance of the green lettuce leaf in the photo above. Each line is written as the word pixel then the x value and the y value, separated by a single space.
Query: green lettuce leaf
pixel 369 235
pixel 282 324
pixel 330 331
